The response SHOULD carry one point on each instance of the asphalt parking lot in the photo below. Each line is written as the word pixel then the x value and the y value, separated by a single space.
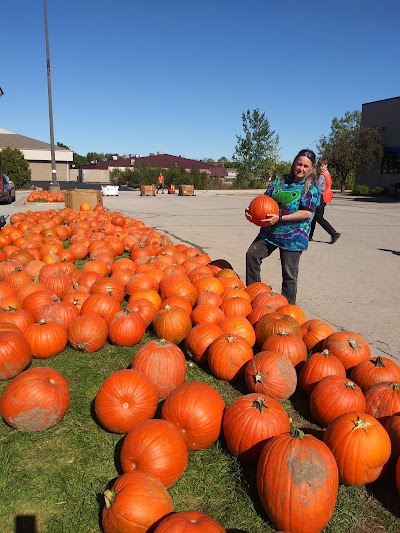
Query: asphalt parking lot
pixel 353 284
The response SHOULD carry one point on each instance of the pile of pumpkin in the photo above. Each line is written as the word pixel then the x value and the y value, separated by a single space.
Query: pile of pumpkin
pixel 46 196
pixel 134 278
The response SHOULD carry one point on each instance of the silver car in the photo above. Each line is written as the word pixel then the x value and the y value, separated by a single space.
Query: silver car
pixel 7 190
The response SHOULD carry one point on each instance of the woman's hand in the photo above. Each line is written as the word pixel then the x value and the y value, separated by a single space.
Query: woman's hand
pixel 270 220
pixel 247 214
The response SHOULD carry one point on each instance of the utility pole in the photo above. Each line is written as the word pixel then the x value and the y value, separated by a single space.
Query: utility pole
pixel 54 184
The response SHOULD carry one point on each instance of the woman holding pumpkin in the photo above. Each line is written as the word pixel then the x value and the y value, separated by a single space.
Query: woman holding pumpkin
pixel 297 195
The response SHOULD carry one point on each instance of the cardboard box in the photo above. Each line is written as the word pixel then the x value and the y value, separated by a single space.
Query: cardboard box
pixel 186 190
pixel 74 198
pixel 147 190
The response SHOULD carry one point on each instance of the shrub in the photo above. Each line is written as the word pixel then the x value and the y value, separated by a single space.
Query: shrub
pixel 361 190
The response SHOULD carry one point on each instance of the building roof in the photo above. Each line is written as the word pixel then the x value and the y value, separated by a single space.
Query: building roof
pixel 162 161
pixel 381 101
pixel 14 140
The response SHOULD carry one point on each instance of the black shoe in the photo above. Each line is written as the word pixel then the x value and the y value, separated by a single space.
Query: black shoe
pixel 334 238
pixel 310 239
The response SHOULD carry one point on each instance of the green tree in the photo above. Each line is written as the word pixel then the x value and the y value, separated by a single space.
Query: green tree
pixel 350 146
pixel 14 164
pixel 99 156
pixel 255 150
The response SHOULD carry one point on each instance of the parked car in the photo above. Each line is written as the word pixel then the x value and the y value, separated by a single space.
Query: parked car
pixel 7 192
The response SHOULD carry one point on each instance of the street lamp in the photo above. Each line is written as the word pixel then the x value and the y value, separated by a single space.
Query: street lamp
pixel 54 183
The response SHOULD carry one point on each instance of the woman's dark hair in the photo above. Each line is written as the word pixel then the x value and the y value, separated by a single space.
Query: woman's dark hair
pixel 306 152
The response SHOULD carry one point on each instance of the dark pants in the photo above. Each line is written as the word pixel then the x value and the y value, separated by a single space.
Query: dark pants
pixel 319 217
pixel 258 250
pixel 160 186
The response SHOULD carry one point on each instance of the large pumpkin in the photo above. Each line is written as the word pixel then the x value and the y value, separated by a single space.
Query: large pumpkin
pixel 88 333
pixel 15 353
pixel 271 373
pixel 273 323
pixel 260 207
pixel 374 371
pixel 239 326
pixel 172 323
pixel 297 481
pixel 196 409
pixel 199 339
pixel 350 347
pixel 125 398
pixel 318 366
pixel 189 522
pixel 46 338
pixel 383 400
pixel 250 421
pixel 103 305
pixel 126 328
pixel 288 344
pixel 333 396
pixel 156 447
pixel 361 447
pixel 136 501
pixel 314 332
pixel 163 363
pixel 392 426
pixel 228 355
pixel 35 400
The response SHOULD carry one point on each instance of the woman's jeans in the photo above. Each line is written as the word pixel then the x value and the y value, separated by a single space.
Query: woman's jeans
pixel 258 250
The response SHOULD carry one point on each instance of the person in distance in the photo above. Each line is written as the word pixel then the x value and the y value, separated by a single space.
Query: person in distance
pixel 325 184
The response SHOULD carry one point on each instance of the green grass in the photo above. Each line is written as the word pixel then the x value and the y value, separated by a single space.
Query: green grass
pixel 59 475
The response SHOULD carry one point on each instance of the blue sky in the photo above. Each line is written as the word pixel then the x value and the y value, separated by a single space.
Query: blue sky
pixel 175 76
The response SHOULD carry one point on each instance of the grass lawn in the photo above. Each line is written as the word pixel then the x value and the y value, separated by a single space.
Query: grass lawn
pixel 58 476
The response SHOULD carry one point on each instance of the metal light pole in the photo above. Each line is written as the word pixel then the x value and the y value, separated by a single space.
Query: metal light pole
pixel 54 184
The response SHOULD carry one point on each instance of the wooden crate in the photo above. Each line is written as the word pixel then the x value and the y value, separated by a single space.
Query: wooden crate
pixel 186 190
pixel 147 190
pixel 75 197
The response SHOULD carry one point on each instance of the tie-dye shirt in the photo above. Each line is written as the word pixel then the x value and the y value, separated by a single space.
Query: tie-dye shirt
pixel 289 195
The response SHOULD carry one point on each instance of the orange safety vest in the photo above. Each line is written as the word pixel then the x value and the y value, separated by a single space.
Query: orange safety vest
pixel 160 179
pixel 327 193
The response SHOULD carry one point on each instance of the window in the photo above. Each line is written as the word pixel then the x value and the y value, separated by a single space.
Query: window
pixel 391 163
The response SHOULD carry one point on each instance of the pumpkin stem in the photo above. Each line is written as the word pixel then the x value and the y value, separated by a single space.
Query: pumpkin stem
pixel 82 346
pixel 360 423
pixel 297 433
pixel 162 342
pixel 231 338
pixel 258 377
pixel 260 404
pixel 109 497
pixel 353 343
pixel 325 353
pixel 379 362
pixel 395 385
pixel 349 385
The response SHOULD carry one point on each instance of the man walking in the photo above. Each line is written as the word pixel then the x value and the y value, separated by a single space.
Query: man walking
pixel 325 183
pixel 160 182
